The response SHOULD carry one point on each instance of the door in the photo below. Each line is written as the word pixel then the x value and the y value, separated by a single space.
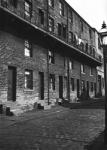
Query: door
pixel 11 83
pixel 87 88
pixel 78 88
pixel 60 87
pixel 41 77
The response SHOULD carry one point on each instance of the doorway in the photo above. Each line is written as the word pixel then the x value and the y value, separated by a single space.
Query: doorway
pixel 78 88
pixel 60 87
pixel 11 83
pixel 41 91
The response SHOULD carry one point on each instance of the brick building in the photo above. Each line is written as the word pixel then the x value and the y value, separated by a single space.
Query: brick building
pixel 47 51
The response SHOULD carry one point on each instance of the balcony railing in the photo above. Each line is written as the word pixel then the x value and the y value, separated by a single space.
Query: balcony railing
pixel 34 18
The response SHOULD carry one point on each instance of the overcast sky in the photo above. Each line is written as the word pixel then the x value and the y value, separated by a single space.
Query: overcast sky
pixel 93 11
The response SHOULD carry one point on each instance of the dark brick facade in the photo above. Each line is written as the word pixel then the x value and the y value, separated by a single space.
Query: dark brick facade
pixel 13 33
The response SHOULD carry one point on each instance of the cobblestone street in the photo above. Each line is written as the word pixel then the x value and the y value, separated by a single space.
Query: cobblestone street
pixel 57 129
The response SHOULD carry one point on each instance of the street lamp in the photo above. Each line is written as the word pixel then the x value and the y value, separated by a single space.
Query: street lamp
pixel 103 33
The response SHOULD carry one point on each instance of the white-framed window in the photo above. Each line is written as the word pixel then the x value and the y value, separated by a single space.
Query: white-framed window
pixel 28 49
pixel 82 68
pixel 28 79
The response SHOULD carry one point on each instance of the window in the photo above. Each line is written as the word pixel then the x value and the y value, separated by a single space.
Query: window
pixel 71 17
pixel 14 3
pixel 52 81
pixel 59 29
pixel 81 26
pixel 92 86
pixel 28 79
pixel 51 56
pixel 91 71
pixel 72 84
pixel 51 3
pixel 28 10
pixel 41 17
pixel 28 49
pixel 64 32
pixel 70 36
pixel 86 47
pixel 71 64
pixel 61 8
pixel 51 24
pixel 82 68
pixel 90 33
pixel 4 3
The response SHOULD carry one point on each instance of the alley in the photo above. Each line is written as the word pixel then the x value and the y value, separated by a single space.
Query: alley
pixel 58 129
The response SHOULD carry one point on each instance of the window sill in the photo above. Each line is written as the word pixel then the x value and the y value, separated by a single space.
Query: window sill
pixel 28 90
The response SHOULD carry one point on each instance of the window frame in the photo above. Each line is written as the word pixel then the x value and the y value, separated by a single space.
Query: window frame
pixel 52 82
pixel 41 17
pixel 82 68
pixel 61 8
pixel 28 81
pixel 51 56
pixel 51 24
pixel 27 10
pixel 28 48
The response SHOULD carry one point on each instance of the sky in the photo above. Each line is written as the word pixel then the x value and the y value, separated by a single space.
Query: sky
pixel 93 11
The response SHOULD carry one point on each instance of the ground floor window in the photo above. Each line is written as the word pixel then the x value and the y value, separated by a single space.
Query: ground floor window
pixel 82 85
pixel 52 81
pixel 28 79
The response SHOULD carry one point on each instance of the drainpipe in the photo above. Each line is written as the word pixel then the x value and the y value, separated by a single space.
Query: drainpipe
pixel 68 85
pixel 48 74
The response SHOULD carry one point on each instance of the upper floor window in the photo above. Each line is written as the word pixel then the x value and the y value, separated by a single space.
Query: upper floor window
pixel 64 31
pixel 51 3
pixel 86 47
pixel 71 17
pixel 51 24
pixel 90 33
pixel 71 64
pixel 91 71
pixel 4 3
pixel 51 56
pixel 82 68
pixel 81 26
pixel 28 79
pixel 61 8
pixel 59 29
pixel 52 81
pixel 41 17
pixel 28 10
pixel 28 49
pixel 70 36
pixel 14 3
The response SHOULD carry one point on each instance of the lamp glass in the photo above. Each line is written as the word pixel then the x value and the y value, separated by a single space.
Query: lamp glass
pixel 104 40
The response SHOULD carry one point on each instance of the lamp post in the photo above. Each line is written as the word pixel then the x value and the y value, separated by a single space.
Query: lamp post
pixel 103 33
